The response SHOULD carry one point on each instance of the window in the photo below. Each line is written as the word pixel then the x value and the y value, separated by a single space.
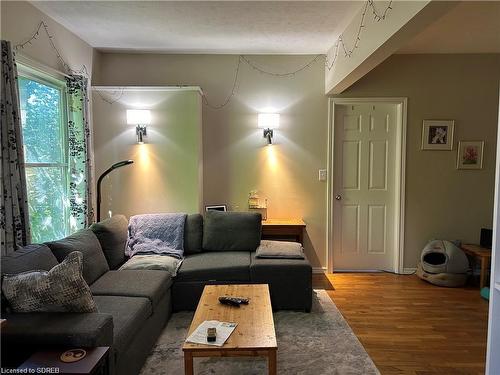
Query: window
pixel 44 119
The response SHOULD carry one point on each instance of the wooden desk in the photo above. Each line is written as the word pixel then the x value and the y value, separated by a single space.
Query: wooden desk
pixel 484 255
pixel 253 336
pixel 283 229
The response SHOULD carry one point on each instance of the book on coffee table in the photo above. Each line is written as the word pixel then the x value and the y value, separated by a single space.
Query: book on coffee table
pixel 224 330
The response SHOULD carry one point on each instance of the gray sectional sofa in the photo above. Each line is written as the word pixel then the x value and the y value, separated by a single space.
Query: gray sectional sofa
pixel 134 305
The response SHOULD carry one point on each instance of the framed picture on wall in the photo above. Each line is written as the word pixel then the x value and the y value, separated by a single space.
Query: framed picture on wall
pixel 470 155
pixel 438 135
pixel 218 207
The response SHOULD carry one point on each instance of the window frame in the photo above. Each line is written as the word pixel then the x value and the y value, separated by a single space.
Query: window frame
pixel 59 84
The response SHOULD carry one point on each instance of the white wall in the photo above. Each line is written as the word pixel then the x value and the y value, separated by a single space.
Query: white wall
pixel 441 201
pixel 236 158
pixel 20 20
pixel 165 176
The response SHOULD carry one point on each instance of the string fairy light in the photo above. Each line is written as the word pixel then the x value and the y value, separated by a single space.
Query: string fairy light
pixel 231 94
pixel 242 58
pixel 340 43
pixel 36 34
pixel 113 99
pixel 281 75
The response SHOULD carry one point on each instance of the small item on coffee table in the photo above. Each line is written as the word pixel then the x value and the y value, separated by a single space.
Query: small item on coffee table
pixel 233 301
pixel 73 355
pixel 211 334
pixel 229 301
pixel 243 300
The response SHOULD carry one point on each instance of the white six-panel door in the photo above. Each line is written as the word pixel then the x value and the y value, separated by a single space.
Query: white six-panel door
pixel 364 205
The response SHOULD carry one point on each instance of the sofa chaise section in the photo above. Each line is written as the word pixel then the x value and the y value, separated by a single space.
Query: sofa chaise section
pixel 290 281
pixel 150 284
pixel 198 270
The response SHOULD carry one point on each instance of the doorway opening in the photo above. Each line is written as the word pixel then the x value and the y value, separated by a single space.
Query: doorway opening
pixel 366 184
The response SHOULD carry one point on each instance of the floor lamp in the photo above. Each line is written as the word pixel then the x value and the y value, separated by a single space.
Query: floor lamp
pixel 99 180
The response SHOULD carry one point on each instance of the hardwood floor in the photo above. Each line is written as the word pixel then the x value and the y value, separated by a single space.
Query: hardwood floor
pixel 409 326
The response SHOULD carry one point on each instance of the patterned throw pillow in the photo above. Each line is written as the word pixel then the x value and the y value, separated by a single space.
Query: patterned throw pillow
pixel 62 289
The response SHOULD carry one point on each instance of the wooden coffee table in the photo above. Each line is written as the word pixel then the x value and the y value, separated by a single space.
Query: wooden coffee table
pixel 253 337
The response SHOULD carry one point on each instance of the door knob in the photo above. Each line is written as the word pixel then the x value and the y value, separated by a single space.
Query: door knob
pixel 338 197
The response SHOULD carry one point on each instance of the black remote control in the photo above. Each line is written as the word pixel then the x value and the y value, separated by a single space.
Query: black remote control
pixel 229 301
pixel 242 300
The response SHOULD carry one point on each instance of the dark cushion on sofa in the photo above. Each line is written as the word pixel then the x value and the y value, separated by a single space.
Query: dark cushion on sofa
pixel 61 329
pixel 85 241
pixel 62 289
pixel 129 315
pixel 222 266
pixel 150 284
pixel 112 234
pixel 231 231
pixel 290 281
pixel 28 258
pixel 193 234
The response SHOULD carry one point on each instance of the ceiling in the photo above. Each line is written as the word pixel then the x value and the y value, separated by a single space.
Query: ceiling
pixel 470 27
pixel 267 27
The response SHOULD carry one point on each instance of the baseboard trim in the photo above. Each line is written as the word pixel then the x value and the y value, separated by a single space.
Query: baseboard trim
pixel 409 270
pixel 406 270
pixel 319 269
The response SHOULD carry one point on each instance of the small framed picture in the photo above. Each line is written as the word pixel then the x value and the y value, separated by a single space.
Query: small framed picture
pixel 217 207
pixel 438 135
pixel 470 155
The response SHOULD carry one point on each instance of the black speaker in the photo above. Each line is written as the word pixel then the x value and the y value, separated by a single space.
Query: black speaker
pixel 486 238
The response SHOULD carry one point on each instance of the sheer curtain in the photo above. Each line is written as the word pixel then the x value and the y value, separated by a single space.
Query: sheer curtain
pixel 14 220
pixel 80 154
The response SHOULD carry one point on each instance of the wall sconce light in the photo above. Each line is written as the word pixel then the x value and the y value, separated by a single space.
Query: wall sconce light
pixel 141 118
pixel 269 122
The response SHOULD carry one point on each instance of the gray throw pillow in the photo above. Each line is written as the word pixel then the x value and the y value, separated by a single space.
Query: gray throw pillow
pixel 62 289
pixel 112 234
pixel 85 241
pixel 231 231
pixel 193 234
pixel 280 249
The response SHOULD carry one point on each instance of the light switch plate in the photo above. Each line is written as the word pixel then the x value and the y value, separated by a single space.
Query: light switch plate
pixel 322 175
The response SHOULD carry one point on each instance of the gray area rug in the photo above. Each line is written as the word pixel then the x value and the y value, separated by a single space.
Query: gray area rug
pixel 320 342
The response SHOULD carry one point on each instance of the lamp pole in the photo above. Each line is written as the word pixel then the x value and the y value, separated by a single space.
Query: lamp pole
pixel 99 181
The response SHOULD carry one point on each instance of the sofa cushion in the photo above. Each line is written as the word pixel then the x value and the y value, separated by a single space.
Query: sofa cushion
pixel 85 241
pixel 28 258
pixel 231 231
pixel 289 280
pixel 280 249
pixel 155 262
pixel 129 315
pixel 193 234
pixel 112 235
pixel 61 329
pixel 222 266
pixel 148 284
pixel 62 289
pixel 277 267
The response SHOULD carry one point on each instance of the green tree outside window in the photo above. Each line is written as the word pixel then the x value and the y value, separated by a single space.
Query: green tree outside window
pixel 45 147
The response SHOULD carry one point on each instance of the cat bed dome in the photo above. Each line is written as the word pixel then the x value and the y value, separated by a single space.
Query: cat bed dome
pixel 443 263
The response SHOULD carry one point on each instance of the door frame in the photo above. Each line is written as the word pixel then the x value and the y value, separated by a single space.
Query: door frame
pixel 399 232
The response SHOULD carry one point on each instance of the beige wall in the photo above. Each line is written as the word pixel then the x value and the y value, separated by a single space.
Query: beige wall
pixel 236 159
pixel 441 201
pixel 165 175
pixel 20 20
